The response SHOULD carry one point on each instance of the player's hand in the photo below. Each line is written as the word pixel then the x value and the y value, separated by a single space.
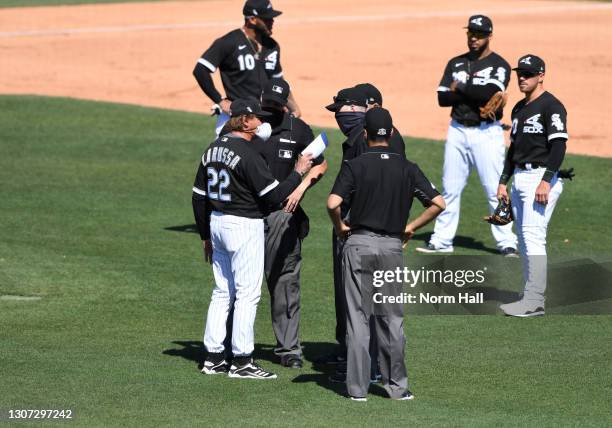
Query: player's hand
pixel 541 194
pixel 344 231
pixel 208 250
pixel 502 193
pixel 407 235
pixel 225 105
pixel 297 112
pixel 303 164
pixel 294 200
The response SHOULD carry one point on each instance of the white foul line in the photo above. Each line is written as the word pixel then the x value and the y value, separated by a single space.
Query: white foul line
pixel 312 20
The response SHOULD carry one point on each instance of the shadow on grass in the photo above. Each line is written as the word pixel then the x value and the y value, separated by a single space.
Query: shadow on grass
pixel 459 242
pixel 187 228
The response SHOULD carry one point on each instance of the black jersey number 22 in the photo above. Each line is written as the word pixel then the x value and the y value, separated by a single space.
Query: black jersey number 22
pixel 222 180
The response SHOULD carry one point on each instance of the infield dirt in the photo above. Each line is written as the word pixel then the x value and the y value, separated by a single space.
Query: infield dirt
pixel 144 53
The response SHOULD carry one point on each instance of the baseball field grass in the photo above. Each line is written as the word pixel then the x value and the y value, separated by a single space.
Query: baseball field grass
pixel 104 290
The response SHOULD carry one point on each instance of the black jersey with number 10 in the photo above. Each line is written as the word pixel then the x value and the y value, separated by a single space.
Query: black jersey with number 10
pixel 244 71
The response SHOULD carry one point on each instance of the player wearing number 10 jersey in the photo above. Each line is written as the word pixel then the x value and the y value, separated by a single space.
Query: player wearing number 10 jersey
pixel 232 189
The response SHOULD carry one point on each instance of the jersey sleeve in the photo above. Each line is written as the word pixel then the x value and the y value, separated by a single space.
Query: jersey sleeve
pixel 216 53
pixel 424 190
pixel 556 122
pixel 447 79
pixel 345 182
pixel 258 175
pixel 278 69
pixel 500 77
pixel 199 184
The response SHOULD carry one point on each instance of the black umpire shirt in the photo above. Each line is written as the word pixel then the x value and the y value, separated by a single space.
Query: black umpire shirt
pixel 379 186
pixel 357 144
pixel 243 70
pixel 282 149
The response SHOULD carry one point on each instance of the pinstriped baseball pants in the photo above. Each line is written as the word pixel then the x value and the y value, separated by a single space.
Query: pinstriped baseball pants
pixel 238 265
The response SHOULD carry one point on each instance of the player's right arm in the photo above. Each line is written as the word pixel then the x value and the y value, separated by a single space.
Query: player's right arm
pixel 208 64
pixel 266 186
pixel 201 211
pixel 447 97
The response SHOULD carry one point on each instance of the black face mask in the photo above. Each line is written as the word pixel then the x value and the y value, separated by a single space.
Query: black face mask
pixel 350 120
pixel 277 116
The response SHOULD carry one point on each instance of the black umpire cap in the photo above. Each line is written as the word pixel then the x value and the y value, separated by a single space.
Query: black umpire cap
pixel 372 93
pixel 347 97
pixel 378 123
pixel 531 64
pixel 260 8
pixel 480 23
pixel 242 106
pixel 276 90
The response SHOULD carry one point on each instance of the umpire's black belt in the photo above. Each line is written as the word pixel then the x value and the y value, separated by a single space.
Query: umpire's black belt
pixel 364 231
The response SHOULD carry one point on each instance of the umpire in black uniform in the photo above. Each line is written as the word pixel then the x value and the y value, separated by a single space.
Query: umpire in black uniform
pixel 287 225
pixel 350 106
pixel 378 187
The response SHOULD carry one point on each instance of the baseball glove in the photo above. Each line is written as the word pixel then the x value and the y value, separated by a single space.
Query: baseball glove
pixel 502 214
pixel 497 101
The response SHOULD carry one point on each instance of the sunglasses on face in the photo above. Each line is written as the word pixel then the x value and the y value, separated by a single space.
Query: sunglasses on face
pixel 526 74
pixel 477 34
pixel 344 100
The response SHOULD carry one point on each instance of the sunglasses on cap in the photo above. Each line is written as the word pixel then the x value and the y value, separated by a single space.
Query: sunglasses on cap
pixel 526 74
pixel 477 34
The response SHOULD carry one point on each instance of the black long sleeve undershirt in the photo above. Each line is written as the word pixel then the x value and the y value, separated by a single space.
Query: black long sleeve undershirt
pixel 508 166
pixel 448 98
pixel 480 93
pixel 555 159
pixel 201 213
pixel 204 79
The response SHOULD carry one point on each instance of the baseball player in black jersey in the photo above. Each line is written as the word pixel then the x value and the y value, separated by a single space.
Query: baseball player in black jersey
pixel 246 57
pixel 233 191
pixel 469 81
pixel 538 141
pixel 286 226
pixel 379 187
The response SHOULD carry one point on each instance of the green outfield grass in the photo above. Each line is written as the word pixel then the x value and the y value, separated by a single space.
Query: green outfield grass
pixel 88 192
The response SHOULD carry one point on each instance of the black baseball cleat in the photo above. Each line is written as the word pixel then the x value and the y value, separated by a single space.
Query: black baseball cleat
pixel 250 370
pixel 405 396
pixel 291 361
pixel 509 252
pixel 212 367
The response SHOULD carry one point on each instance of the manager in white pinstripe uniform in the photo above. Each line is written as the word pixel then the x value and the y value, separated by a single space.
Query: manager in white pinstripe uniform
pixel 231 193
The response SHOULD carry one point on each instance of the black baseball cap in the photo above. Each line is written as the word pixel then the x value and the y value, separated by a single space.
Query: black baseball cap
pixel 242 106
pixel 480 23
pixel 531 64
pixel 378 123
pixel 373 94
pixel 260 8
pixel 347 97
pixel 276 90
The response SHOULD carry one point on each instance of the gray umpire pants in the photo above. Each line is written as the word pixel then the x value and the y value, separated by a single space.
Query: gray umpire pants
pixel 363 253
pixel 284 234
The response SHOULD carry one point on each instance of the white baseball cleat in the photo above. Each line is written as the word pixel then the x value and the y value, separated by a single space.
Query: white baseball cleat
pixel 250 370
pixel 211 367
pixel 522 309
pixel 431 248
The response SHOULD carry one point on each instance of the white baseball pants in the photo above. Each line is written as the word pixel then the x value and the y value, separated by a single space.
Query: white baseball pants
pixel 238 265
pixel 531 219
pixel 467 147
